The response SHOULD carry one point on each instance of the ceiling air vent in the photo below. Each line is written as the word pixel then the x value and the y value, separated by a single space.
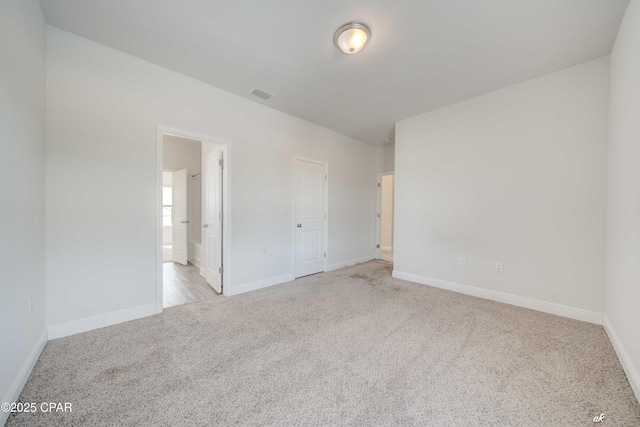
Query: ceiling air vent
pixel 261 94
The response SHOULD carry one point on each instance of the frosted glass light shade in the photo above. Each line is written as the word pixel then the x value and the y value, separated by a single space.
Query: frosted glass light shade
pixel 352 37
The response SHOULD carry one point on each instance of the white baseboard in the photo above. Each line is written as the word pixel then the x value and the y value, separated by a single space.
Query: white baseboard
pixel 259 284
pixel 349 263
pixel 21 378
pixel 387 248
pixel 625 360
pixel 100 321
pixel 272 281
pixel 546 307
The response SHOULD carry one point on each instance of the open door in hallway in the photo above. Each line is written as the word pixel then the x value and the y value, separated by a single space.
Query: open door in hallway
pixel 212 224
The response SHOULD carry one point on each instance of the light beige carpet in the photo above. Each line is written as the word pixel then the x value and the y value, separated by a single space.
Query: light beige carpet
pixel 350 347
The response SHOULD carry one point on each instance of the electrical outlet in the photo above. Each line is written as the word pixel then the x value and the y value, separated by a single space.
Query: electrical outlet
pixel 463 262
pixel 499 267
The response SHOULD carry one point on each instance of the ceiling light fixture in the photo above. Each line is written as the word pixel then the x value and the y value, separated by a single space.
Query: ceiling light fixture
pixel 352 37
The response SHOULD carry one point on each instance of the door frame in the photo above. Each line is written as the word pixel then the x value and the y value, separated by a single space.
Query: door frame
pixel 379 210
pixel 162 130
pixel 293 210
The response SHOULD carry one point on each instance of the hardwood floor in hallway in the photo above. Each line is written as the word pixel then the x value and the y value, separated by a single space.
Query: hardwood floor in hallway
pixel 183 284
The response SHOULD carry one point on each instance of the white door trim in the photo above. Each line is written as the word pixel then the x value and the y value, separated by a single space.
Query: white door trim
pixel 379 212
pixel 226 209
pixel 293 209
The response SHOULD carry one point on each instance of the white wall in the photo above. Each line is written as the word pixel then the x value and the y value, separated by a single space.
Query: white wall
pixel 167 179
pixel 22 126
pixel 385 158
pixel 194 210
pixel 516 176
pixel 179 153
pixel 386 217
pixel 622 308
pixel 103 108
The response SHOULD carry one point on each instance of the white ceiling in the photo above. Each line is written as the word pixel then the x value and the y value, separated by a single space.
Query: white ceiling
pixel 423 54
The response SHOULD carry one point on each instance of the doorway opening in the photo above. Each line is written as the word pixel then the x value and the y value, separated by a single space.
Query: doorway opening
pixel 192 193
pixel 386 202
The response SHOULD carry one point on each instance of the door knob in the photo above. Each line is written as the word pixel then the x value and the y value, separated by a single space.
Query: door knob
pixel 184 222
pixel 299 225
pixel 205 225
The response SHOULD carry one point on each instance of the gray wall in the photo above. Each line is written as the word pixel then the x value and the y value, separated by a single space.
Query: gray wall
pixel 623 207
pixel 105 106
pixel 22 130
pixel 515 176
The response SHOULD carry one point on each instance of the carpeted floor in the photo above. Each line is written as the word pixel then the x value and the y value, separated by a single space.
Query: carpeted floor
pixel 349 347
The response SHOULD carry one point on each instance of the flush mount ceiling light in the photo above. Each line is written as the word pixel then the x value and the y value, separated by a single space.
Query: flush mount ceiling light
pixel 352 37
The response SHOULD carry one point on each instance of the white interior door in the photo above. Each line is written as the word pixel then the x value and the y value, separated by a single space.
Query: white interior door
pixel 310 217
pixel 212 223
pixel 179 222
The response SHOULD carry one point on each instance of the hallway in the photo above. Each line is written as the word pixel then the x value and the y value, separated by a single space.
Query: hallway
pixel 184 284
